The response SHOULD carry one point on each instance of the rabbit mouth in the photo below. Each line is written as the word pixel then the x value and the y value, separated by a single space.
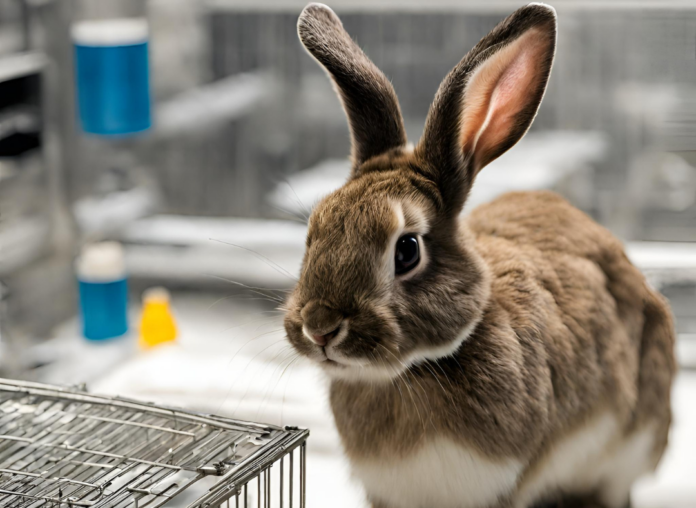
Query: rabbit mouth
pixel 333 364
pixel 335 359
pixel 356 367
pixel 357 371
pixel 332 347
pixel 359 347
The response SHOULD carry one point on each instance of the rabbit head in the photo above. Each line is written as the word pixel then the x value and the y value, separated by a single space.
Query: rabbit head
pixel 389 275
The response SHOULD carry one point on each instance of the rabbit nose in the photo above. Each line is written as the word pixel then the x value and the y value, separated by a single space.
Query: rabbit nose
pixel 321 324
pixel 323 340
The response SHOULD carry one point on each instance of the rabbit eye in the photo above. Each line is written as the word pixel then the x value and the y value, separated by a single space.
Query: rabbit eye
pixel 407 254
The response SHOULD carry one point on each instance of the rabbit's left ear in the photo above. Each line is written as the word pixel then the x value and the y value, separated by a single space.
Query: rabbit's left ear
pixel 489 100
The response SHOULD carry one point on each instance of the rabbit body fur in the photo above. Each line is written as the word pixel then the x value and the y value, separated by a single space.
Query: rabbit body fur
pixel 563 387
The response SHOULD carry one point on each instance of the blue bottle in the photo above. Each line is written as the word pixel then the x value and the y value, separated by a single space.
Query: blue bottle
pixel 103 289
pixel 112 76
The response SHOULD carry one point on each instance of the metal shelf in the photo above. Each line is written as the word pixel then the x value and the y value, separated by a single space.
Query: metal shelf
pixel 20 65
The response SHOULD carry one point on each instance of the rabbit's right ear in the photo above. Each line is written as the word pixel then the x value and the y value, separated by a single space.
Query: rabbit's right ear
pixel 367 95
pixel 488 101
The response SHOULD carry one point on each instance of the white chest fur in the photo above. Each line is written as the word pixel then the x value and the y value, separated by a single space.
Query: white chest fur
pixel 440 473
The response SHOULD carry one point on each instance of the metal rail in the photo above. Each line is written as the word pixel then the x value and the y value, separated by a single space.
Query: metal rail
pixel 64 447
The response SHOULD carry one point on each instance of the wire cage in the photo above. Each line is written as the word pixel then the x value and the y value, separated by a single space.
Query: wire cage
pixel 63 447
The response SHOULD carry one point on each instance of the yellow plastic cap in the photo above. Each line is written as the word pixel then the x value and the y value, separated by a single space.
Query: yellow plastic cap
pixel 157 325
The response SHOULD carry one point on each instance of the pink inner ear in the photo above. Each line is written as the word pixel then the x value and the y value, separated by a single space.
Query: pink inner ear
pixel 499 89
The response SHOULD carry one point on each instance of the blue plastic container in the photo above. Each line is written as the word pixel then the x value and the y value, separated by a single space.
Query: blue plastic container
pixel 112 76
pixel 104 309
pixel 101 275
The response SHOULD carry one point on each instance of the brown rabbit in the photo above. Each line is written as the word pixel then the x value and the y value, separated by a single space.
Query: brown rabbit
pixel 513 358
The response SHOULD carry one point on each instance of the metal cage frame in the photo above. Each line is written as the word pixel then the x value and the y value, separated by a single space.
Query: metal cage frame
pixel 64 447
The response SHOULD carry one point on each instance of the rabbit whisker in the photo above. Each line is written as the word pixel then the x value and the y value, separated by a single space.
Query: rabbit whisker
pixel 287 384
pixel 251 360
pixel 407 370
pixel 234 382
pixel 269 391
pixel 270 263
pixel 410 388
pixel 257 291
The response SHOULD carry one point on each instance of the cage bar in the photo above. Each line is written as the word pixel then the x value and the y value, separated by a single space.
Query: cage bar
pixel 68 448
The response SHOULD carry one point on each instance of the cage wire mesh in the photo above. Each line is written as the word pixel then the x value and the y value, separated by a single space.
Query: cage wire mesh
pixel 64 447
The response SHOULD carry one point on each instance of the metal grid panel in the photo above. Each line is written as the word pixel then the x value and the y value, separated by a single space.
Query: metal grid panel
pixel 67 447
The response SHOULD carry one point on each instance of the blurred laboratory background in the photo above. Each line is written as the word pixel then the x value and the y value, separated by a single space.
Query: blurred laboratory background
pixel 180 145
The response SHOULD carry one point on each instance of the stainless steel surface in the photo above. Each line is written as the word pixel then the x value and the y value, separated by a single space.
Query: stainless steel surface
pixel 68 447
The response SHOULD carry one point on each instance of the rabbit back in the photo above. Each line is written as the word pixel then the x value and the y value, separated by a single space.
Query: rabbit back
pixel 623 328
pixel 611 373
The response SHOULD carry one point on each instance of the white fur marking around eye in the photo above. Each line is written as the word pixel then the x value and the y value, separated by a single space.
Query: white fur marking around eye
pixel 415 220
pixel 440 473
pixel 412 220
pixel 387 262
